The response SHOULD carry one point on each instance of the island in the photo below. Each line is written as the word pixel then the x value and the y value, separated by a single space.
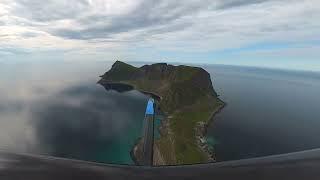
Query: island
pixel 185 95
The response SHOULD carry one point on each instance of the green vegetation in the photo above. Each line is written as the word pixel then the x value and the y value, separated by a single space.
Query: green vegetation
pixel 187 98
pixel 120 71
pixel 186 148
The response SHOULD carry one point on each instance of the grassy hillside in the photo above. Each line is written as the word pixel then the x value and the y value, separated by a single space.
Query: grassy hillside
pixel 187 151
pixel 187 98
pixel 120 71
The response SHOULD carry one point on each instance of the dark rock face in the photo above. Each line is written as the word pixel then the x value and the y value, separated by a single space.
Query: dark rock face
pixel 117 87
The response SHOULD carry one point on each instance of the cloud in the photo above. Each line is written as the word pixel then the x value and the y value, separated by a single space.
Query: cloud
pixel 104 19
pixel 30 34
pixel 12 51
pixel 50 10
pixel 103 26
pixel 148 14
pixel 82 115
pixel 236 3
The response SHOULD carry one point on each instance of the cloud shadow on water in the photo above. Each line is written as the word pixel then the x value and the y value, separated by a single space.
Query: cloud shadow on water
pixel 89 123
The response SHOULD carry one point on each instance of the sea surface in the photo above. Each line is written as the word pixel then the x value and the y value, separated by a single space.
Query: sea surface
pixel 58 109
pixel 267 112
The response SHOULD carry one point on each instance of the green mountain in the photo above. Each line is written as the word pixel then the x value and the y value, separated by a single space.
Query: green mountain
pixel 187 98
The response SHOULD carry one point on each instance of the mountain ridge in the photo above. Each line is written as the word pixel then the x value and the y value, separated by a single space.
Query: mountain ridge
pixel 187 98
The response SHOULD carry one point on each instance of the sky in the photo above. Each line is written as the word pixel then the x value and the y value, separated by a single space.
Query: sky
pixel 267 33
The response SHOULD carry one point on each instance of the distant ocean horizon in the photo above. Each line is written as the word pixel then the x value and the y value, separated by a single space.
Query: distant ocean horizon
pixel 57 108
pixel 269 111
pixel 140 63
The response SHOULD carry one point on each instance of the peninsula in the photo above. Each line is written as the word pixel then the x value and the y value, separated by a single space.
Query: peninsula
pixel 188 100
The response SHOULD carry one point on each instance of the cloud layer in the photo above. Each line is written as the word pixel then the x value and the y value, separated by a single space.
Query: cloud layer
pixel 126 28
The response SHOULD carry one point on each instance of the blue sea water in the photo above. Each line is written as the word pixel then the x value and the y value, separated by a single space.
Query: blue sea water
pixel 58 109
pixel 268 111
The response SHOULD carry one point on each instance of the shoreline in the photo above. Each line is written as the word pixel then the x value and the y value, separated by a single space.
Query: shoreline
pixel 203 128
pixel 202 132
pixel 135 150
pixel 132 151
pixel 152 94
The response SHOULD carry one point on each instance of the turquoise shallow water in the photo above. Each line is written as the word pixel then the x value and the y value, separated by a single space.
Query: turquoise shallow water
pixel 58 109
pixel 67 114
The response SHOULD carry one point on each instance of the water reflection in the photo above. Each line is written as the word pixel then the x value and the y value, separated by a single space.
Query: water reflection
pixel 73 119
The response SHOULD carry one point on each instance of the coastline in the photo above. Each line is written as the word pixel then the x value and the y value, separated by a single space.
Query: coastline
pixel 202 133
pixel 135 150
pixel 189 103
pixel 152 94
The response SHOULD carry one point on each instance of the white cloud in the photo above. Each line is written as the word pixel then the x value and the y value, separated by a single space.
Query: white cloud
pixel 98 26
